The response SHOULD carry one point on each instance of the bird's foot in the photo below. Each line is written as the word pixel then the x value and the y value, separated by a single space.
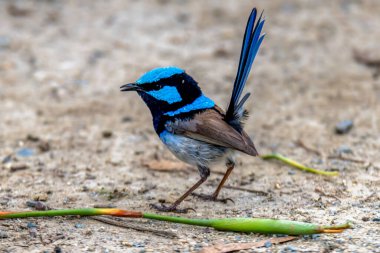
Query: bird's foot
pixel 211 198
pixel 171 208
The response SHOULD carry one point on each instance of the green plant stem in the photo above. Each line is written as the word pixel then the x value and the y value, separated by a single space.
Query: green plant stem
pixel 253 225
pixel 298 165
pixel 177 219
pixel 50 213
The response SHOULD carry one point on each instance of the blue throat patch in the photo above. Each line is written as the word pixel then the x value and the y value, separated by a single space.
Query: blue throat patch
pixel 157 74
pixel 201 102
pixel 167 93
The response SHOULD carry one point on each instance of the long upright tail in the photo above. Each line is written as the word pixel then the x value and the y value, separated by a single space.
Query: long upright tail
pixel 251 44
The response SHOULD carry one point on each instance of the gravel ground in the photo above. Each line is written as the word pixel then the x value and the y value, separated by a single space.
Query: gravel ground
pixel 68 137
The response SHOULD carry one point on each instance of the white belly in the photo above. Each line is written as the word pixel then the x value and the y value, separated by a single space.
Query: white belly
pixel 192 151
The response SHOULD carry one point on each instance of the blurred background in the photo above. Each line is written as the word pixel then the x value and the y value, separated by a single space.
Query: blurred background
pixel 69 137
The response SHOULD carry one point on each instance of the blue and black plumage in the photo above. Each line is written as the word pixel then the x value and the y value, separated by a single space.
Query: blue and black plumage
pixel 190 124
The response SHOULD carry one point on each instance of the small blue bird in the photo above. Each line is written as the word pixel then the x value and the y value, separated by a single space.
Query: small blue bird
pixel 191 125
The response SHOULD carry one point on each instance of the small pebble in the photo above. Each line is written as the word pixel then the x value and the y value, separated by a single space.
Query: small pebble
pixel 107 134
pixel 138 244
pixel 377 219
pixel 365 218
pixel 344 149
pixel 344 126
pixel 126 119
pixel 33 138
pixel 88 232
pixel 18 11
pixel 25 152
pixel 57 249
pixel 79 225
pixel 18 167
pixel 126 243
pixel 31 225
pixel 40 197
pixel 291 172
pixel 7 159
pixel 267 244
pixel 44 146
pixel 221 52
pixel 238 238
pixel 3 235
pixel 38 205
pixel 290 249
pixel 197 247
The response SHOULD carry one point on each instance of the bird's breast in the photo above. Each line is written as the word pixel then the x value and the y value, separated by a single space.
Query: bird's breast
pixel 192 151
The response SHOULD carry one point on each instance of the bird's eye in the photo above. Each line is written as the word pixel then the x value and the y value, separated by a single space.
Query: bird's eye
pixel 183 81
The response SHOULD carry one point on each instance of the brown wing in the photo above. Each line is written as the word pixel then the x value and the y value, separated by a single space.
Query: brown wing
pixel 210 127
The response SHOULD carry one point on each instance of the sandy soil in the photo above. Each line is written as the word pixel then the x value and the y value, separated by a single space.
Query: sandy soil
pixel 70 138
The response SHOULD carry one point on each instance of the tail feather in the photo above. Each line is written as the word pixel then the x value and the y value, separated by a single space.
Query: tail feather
pixel 251 44
pixel 239 106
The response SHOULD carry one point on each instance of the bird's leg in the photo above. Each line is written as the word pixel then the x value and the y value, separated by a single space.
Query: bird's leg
pixel 204 172
pixel 230 164
pixel 214 197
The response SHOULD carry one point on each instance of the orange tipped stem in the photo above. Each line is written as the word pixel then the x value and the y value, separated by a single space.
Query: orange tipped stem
pixel 252 225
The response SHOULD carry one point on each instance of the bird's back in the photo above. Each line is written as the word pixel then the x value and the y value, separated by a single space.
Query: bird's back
pixel 209 126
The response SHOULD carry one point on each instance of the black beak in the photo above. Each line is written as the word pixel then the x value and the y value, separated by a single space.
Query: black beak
pixel 130 87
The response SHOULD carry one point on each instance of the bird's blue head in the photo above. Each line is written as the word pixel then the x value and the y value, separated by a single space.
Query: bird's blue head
pixel 169 91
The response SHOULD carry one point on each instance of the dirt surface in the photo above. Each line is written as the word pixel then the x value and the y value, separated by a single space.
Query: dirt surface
pixel 70 138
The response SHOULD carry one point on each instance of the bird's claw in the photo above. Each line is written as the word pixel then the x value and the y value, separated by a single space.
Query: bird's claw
pixel 171 208
pixel 212 198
